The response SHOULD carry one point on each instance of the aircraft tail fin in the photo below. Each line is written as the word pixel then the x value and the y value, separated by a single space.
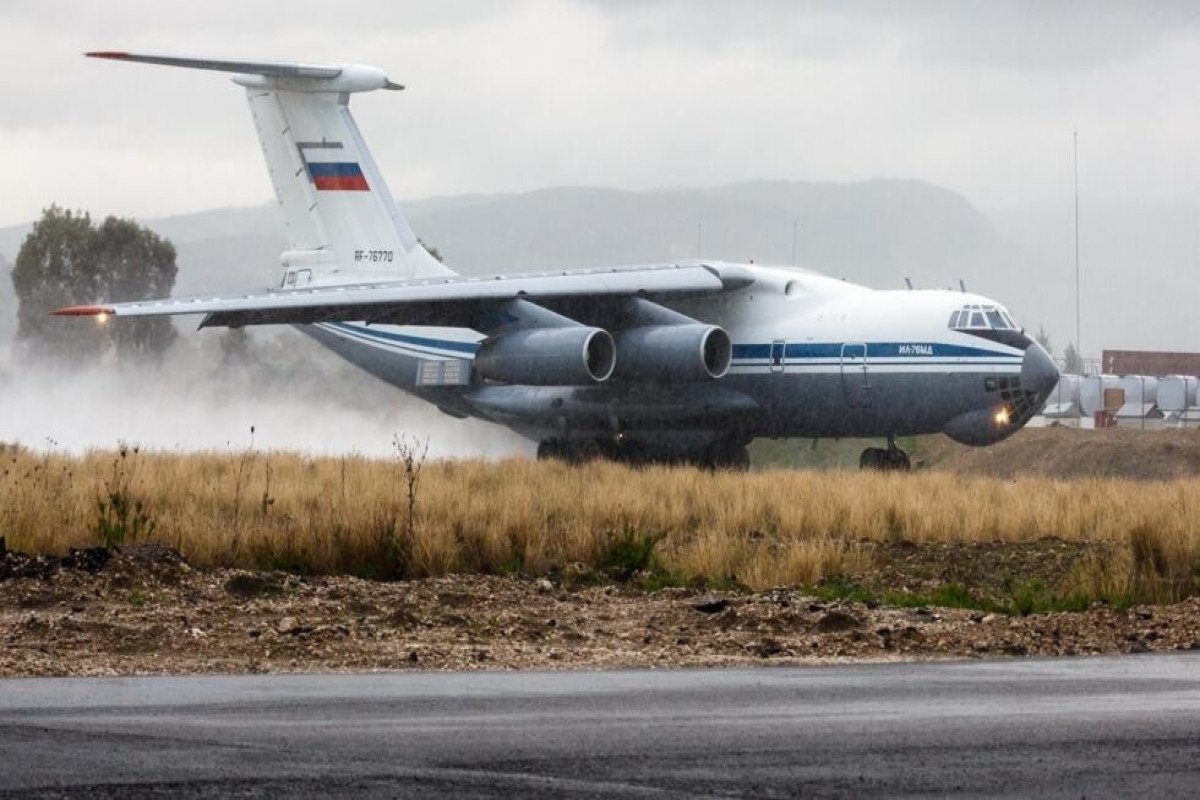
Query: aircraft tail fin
pixel 343 224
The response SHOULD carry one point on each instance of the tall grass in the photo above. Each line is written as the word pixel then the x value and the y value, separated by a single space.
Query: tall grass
pixel 759 529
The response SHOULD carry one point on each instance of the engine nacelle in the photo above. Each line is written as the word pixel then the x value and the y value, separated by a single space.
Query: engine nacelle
pixel 673 353
pixel 567 356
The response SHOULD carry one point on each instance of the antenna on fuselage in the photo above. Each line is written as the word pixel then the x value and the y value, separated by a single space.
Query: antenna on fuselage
pixel 908 283
pixel 962 287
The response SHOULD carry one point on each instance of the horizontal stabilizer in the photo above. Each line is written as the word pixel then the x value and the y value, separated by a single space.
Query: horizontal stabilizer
pixel 285 75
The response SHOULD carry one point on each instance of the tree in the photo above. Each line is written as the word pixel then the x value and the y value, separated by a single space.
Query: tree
pixel 66 260
pixel 1073 364
pixel 52 270
pixel 135 263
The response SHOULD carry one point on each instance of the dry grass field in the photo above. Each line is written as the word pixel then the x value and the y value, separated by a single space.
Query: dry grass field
pixel 657 525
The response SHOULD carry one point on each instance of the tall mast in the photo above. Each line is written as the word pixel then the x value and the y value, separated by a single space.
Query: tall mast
pixel 1075 162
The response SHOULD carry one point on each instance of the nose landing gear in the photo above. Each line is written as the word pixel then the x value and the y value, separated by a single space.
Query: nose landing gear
pixel 885 459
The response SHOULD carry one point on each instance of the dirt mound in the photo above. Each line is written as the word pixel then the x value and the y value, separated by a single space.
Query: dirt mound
pixel 134 615
pixel 1073 453
pixel 15 564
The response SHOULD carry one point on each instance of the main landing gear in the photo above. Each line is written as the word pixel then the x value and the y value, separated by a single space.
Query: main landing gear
pixel 572 451
pixel 721 454
pixel 885 459
pixel 730 455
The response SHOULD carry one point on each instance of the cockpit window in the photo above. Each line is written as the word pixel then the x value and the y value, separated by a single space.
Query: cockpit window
pixel 989 322
pixel 982 318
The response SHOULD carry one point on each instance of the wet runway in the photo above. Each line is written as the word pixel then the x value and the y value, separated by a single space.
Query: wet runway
pixel 1127 726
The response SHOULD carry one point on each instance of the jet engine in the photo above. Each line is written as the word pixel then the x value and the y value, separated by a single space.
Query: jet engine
pixel 670 353
pixel 558 356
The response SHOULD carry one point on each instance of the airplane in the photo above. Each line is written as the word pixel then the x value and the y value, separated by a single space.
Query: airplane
pixel 676 362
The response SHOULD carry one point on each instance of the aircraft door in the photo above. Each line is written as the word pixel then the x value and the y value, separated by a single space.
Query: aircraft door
pixel 855 381
pixel 777 353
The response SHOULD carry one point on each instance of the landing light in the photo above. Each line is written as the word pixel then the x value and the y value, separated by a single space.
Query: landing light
pixel 1001 417
pixel 102 317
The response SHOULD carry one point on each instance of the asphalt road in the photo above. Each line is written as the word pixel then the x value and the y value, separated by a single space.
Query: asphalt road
pixel 1100 727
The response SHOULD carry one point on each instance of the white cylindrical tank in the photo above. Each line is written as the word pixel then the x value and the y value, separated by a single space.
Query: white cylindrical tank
pixel 1066 391
pixel 1177 392
pixel 1139 389
pixel 1091 392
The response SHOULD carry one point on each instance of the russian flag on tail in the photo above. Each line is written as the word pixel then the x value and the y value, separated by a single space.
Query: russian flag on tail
pixel 332 175
pixel 337 176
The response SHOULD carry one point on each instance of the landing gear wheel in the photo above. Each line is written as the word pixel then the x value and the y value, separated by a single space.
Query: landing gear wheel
pixel 873 458
pixel 898 460
pixel 891 458
pixel 572 451
pixel 631 454
pixel 586 450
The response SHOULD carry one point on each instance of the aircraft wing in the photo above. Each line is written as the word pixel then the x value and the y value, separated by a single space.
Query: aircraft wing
pixel 453 301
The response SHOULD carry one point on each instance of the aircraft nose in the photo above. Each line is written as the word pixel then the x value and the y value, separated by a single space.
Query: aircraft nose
pixel 1038 372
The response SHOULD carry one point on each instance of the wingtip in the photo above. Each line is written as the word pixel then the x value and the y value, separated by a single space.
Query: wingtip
pixel 83 311
pixel 115 55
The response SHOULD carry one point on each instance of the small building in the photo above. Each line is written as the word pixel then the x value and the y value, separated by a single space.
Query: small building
pixel 1149 362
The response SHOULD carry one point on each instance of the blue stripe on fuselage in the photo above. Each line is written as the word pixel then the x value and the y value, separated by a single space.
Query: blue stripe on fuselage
pixel 921 352
pixel 874 350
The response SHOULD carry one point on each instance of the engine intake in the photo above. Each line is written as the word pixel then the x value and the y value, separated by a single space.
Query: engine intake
pixel 567 356
pixel 673 353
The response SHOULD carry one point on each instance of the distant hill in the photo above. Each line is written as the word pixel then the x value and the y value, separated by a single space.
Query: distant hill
pixel 873 232
pixel 876 231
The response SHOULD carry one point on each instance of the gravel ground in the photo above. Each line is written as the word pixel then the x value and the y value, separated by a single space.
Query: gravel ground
pixel 145 611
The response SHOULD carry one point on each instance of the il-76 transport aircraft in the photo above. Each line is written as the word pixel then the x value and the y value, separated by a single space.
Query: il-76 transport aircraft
pixel 686 361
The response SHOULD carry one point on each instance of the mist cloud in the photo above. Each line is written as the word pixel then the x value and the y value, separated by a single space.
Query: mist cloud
pixel 194 402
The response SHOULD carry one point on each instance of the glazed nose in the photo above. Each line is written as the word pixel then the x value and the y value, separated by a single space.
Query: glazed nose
pixel 1038 373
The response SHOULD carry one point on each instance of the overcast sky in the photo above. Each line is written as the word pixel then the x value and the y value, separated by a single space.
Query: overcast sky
pixel 980 97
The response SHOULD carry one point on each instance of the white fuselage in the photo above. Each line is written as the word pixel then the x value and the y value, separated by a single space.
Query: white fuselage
pixel 812 356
